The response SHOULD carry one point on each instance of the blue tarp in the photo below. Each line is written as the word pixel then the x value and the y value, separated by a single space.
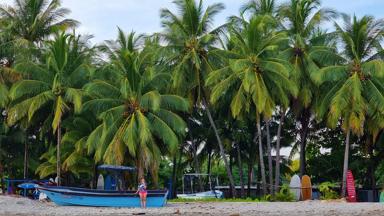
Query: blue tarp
pixel 116 168
pixel 27 186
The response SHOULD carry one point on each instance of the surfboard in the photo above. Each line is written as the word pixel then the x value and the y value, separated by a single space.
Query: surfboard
pixel 295 187
pixel 351 190
pixel 306 188
pixel 382 197
pixel 100 183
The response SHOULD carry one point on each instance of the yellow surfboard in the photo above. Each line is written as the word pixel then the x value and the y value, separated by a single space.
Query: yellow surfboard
pixel 306 188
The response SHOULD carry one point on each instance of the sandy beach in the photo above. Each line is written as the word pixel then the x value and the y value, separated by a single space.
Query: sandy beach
pixel 10 206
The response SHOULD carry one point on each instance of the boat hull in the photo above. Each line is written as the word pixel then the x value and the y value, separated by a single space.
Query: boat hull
pixel 202 195
pixel 66 196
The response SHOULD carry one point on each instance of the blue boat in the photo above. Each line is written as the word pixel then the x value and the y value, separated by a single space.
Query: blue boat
pixel 66 196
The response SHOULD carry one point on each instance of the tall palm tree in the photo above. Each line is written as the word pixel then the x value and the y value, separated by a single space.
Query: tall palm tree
pixel 302 18
pixel 55 83
pixel 35 20
pixel 190 37
pixel 139 123
pixel 266 7
pixel 357 90
pixel 255 74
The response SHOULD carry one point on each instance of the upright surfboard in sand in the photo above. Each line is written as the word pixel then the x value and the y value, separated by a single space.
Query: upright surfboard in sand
pixel 381 197
pixel 351 190
pixel 306 188
pixel 100 182
pixel 295 187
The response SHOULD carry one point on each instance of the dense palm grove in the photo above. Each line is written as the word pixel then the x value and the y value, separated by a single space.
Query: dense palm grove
pixel 194 97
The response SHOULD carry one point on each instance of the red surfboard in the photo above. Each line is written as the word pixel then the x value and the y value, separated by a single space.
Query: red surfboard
pixel 351 190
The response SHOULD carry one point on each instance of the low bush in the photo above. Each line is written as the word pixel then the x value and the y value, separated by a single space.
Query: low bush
pixel 326 191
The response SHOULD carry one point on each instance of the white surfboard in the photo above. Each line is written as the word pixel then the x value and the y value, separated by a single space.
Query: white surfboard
pixel 100 182
pixel 295 186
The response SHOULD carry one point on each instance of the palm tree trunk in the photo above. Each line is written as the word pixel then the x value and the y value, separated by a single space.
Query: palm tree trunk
pixel 303 139
pixel 26 156
pixel 242 191
pixel 277 173
pixel 140 169
pixel 94 176
pixel 222 153
pixel 345 168
pixel 195 159
pixel 261 154
pixel 209 162
pixel 269 149
pixel 249 179
pixel 174 168
pixel 58 164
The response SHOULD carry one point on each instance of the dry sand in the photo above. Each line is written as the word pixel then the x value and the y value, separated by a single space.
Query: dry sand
pixel 10 206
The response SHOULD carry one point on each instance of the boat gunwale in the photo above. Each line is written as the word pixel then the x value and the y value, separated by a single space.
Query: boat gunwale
pixel 100 193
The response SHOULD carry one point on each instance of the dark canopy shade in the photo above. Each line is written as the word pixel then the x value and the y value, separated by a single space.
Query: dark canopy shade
pixel 115 168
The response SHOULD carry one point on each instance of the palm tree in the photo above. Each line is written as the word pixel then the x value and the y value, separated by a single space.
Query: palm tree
pixel 74 152
pixel 189 40
pixel 35 20
pixel 302 18
pixel 139 124
pixel 253 72
pixel 357 90
pixel 259 7
pixel 55 83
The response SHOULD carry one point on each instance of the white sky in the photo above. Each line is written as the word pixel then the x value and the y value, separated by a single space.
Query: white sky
pixel 100 18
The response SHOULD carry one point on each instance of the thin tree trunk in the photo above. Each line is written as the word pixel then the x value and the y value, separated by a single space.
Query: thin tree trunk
pixel 261 154
pixel 178 172
pixel 258 177
pixel 209 162
pixel 242 191
pixel 94 179
pixel 345 168
pixel 174 168
pixel 269 149
pixel 26 156
pixel 277 174
pixel 249 179
pixel 303 139
pixel 195 158
pixel 222 153
pixel 58 159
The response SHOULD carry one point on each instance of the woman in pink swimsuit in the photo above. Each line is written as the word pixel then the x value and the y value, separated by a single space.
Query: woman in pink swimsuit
pixel 142 191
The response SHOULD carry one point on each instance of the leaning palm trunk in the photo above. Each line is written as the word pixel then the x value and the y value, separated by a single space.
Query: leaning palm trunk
pixel 345 168
pixel 58 161
pixel 222 153
pixel 261 154
pixel 269 149
pixel 277 173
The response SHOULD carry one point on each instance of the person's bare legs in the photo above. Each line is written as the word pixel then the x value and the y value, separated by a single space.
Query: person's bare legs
pixel 145 200
pixel 141 200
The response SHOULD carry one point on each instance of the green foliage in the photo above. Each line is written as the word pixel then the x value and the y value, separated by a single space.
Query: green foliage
pixel 284 195
pixel 326 191
pixel 128 101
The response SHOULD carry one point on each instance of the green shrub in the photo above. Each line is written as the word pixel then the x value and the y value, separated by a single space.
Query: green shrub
pixel 326 191
pixel 285 194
